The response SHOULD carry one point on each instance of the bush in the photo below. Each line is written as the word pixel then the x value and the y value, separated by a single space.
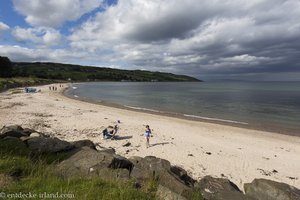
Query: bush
pixel 5 67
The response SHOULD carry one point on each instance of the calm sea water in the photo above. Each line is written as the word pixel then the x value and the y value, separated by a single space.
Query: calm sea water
pixel 271 106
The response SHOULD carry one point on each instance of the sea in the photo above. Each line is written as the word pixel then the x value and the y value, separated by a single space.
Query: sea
pixel 269 106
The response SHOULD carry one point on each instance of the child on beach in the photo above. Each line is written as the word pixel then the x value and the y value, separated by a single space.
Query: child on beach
pixel 147 135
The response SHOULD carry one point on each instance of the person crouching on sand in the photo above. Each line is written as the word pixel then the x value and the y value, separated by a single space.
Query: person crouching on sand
pixel 147 135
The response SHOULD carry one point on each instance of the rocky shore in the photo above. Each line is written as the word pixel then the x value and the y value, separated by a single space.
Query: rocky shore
pixel 86 159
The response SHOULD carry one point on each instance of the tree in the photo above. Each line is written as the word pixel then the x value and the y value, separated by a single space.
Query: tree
pixel 5 67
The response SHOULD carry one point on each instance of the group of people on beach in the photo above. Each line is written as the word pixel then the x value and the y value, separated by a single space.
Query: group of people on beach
pixel 54 87
pixel 111 131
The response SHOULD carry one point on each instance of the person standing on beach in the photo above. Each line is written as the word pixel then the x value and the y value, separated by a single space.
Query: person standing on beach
pixel 147 135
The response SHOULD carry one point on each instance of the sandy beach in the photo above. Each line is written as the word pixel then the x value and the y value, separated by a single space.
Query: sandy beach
pixel 201 148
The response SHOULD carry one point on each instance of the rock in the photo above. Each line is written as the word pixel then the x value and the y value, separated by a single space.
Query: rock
pixel 152 168
pixel 164 193
pixel 126 144
pixel 48 145
pixel 263 189
pixel 109 150
pixel 28 131
pixel 13 146
pixel 182 174
pixel 35 134
pixel 219 189
pixel 12 131
pixel 89 162
pixel 135 159
pixel 84 143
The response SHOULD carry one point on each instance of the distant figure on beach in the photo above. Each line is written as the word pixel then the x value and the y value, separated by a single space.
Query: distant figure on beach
pixel 49 87
pixel 106 134
pixel 147 135
pixel 53 88
pixel 115 130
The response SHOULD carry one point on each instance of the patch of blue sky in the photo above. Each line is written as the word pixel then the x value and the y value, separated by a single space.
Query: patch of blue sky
pixel 66 29
pixel 9 16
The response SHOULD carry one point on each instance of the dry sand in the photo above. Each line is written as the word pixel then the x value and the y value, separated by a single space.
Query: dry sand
pixel 201 148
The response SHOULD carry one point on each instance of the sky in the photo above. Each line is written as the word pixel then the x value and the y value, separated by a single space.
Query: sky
pixel 206 39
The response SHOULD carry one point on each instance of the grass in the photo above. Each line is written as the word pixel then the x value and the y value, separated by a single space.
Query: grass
pixel 36 175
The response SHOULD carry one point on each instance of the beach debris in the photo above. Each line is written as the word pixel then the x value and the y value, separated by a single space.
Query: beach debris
pixel 266 172
pixel 266 158
pixel 208 153
pixel 127 144
pixel 292 178
pixel 190 154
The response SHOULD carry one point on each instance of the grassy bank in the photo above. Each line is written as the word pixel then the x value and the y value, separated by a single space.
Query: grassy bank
pixel 22 173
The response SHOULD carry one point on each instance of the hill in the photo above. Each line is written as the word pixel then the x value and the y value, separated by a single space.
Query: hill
pixel 59 71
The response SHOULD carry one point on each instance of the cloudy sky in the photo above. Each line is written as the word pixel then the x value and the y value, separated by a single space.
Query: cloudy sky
pixel 208 39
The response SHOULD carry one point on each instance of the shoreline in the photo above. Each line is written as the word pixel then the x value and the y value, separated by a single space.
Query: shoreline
pixel 225 122
pixel 201 148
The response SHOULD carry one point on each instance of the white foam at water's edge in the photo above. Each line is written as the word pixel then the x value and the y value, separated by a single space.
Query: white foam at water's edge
pixel 193 116
pixel 74 88
pixel 215 119
pixel 76 96
pixel 139 108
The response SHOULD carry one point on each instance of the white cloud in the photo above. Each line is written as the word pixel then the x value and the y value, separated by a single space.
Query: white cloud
pixel 41 35
pixel 53 13
pixel 3 27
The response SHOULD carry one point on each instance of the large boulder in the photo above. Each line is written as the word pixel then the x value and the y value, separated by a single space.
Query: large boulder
pixel 263 189
pixel 84 143
pixel 13 146
pixel 182 174
pixel 152 168
pixel 88 162
pixel 219 189
pixel 12 131
pixel 48 145
pixel 164 193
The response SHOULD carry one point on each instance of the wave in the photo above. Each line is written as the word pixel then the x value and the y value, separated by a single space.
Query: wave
pixel 74 88
pixel 145 109
pixel 215 119
pixel 76 96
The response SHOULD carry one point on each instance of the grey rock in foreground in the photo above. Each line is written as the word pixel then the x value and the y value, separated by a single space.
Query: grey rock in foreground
pixel 89 162
pixel 13 131
pixel 48 145
pixel 84 143
pixel 219 189
pixel 157 169
pixel 263 189
pixel 164 193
